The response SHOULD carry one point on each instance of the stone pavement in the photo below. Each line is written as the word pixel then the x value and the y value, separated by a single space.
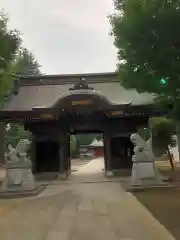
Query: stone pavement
pixel 92 171
pixel 78 211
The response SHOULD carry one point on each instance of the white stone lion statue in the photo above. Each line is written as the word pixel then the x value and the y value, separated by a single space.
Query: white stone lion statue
pixel 144 170
pixel 18 168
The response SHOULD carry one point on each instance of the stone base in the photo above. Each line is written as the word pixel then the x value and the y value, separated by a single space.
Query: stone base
pixel 145 182
pixel 109 174
pixel 19 179
pixel 145 174
pixel 14 193
pixel 121 172
pixel 46 176
pixel 62 176
pixel 68 172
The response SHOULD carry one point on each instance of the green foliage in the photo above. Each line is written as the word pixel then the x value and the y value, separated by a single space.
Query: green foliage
pixel 9 45
pixel 86 139
pixel 147 38
pixel 9 40
pixel 162 130
pixel 14 60
pixel 26 64
pixel 15 133
pixel 144 132
pixel 6 82
pixel 160 125
pixel 73 145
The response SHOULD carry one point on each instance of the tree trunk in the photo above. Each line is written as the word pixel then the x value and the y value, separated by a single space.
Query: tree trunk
pixel 2 144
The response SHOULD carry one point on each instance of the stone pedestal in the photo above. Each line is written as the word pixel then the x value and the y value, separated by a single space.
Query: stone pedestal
pixel 62 176
pixel 19 178
pixel 144 171
pixel 109 174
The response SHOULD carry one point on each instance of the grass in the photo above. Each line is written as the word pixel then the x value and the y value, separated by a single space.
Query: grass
pixel 164 203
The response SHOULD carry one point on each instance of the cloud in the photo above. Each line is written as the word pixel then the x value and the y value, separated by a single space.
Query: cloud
pixel 66 35
pixel 82 14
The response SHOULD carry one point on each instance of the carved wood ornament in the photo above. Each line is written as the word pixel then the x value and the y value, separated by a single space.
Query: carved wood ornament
pixel 81 84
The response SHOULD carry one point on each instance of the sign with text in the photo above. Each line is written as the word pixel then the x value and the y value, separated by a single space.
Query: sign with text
pixel 47 116
pixel 82 102
pixel 115 114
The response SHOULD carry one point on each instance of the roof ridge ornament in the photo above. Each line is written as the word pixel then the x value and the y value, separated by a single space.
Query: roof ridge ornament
pixel 81 84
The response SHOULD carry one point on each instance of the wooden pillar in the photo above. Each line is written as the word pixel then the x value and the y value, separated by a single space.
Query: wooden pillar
pixel 107 155
pixel 61 155
pixel 64 158
pixel 67 153
pixel 33 153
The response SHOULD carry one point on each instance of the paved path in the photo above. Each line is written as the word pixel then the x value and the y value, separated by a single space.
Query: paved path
pixel 90 172
pixel 80 211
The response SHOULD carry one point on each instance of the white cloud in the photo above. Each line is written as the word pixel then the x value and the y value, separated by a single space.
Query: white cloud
pixel 65 35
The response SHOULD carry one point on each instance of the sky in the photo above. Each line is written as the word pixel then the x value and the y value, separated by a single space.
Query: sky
pixel 66 36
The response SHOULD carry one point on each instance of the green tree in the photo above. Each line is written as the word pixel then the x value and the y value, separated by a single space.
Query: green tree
pixel 25 64
pixel 86 139
pixel 148 47
pixel 14 133
pixel 162 130
pixel 9 45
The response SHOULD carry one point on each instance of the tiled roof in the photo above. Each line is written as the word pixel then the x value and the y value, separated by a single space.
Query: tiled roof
pixel 44 91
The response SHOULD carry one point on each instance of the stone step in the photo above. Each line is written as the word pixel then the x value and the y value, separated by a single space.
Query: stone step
pixel 16 193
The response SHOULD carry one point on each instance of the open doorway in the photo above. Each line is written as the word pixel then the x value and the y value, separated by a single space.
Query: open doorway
pixel 47 156
pixel 121 153
pixel 87 152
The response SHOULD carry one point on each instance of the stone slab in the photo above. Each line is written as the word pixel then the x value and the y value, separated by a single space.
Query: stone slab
pixel 86 205
pixel 20 194
pixel 55 235
pixel 66 219
pixel 80 211
pixel 100 207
